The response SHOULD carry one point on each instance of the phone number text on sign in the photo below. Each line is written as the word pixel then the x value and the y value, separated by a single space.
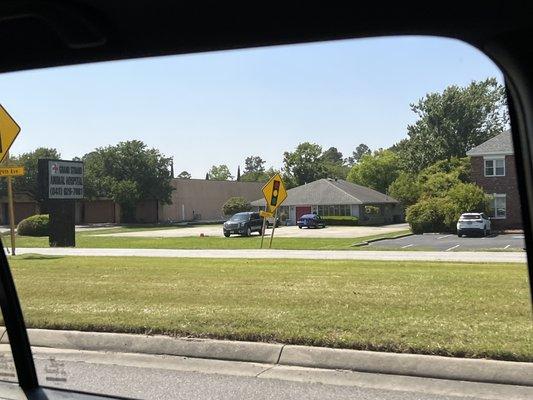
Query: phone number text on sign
pixel 65 180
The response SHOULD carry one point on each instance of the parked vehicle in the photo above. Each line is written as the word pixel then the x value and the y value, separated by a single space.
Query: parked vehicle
pixel 473 223
pixel 311 221
pixel 243 223
pixel 270 222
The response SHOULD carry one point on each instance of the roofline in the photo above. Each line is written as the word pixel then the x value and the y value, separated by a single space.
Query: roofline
pixel 490 153
pixel 262 202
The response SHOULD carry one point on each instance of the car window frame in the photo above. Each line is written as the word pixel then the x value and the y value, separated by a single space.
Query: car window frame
pixel 503 50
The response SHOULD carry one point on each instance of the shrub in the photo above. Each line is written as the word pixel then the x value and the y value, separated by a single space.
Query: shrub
pixel 432 215
pixel 341 220
pixel 438 184
pixel 440 214
pixel 36 225
pixel 372 210
pixel 235 205
pixel 468 197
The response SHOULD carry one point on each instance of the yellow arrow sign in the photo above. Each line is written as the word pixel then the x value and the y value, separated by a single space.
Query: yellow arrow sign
pixel 274 192
pixel 8 132
pixel 12 171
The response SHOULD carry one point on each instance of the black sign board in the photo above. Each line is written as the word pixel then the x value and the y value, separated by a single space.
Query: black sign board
pixel 60 184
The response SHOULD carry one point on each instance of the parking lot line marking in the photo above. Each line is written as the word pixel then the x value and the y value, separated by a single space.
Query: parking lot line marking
pixel 442 237
pixel 506 247
pixel 406 246
pixel 453 247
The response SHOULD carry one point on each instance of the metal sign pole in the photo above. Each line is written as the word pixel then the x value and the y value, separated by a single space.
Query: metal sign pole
pixel 11 211
pixel 263 229
pixel 273 228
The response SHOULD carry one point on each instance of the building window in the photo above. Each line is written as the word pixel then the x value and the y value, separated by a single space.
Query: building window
pixel 495 166
pixel 334 210
pixel 498 206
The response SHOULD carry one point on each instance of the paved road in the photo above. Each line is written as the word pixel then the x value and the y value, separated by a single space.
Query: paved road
pixel 285 231
pixel 450 256
pixel 449 242
pixel 165 377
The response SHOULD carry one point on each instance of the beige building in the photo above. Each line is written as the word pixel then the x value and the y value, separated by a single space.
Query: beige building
pixel 192 199
pixel 200 199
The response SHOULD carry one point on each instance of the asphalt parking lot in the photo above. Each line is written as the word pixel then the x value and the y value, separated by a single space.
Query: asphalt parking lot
pixel 284 231
pixel 449 242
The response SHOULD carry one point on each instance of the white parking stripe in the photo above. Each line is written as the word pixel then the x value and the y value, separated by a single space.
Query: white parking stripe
pixel 442 237
pixel 453 247
pixel 406 246
pixel 506 247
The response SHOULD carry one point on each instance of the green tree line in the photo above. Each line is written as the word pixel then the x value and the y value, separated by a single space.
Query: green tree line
pixel 423 171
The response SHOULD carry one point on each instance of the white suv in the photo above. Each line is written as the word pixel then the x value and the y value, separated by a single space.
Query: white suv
pixel 477 223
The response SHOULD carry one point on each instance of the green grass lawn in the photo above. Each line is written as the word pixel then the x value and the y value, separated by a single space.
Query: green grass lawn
pixel 90 240
pixel 455 309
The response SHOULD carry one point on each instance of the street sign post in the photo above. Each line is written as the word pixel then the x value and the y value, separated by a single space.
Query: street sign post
pixel 9 131
pixel 275 194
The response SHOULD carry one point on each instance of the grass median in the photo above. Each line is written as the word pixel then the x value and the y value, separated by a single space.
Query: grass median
pixel 452 309
pixel 92 240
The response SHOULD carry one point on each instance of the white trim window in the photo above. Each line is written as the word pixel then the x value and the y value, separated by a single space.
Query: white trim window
pixel 498 206
pixel 494 166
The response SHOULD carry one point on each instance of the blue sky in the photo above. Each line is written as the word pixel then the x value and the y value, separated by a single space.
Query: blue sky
pixel 218 108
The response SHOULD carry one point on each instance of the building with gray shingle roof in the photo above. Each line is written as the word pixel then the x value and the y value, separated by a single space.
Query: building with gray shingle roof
pixel 501 144
pixel 336 197
pixel 493 169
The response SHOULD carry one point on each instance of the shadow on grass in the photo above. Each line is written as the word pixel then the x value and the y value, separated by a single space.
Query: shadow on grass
pixel 35 256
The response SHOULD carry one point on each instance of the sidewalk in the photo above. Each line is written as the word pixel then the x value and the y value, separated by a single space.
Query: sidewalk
pixel 473 370
pixel 465 256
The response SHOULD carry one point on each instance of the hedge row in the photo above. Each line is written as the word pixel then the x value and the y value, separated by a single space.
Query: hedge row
pixel 341 220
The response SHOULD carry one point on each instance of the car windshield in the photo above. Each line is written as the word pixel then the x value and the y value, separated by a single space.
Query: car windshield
pixel 144 269
pixel 471 216
pixel 240 217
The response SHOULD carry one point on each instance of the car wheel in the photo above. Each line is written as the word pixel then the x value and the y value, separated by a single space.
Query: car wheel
pixel 459 233
pixel 226 233
pixel 299 227
pixel 248 231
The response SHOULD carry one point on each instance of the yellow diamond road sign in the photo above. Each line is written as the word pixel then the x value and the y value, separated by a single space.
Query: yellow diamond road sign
pixel 12 171
pixel 8 132
pixel 274 192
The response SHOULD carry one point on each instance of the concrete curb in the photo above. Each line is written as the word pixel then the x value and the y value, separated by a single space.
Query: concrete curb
pixel 157 344
pixel 367 242
pixel 474 370
pixel 463 369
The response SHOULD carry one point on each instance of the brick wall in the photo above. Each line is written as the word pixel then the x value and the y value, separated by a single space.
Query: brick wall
pixel 97 211
pixel 507 184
